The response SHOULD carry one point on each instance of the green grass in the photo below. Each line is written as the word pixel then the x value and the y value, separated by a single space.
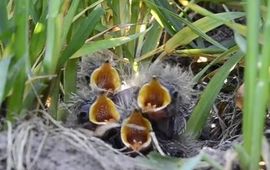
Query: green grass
pixel 256 83
pixel 42 41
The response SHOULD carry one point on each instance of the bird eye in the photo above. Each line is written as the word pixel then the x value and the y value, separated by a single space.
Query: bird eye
pixel 87 78
pixel 82 117
pixel 175 94
pixel 83 114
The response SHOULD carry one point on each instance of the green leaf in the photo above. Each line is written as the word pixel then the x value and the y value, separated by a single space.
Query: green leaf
pixel 92 47
pixel 205 24
pixel 152 38
pixel 251 133
pixel 159 17
pixel 81 35
pixel 34 10
pixel 191 163
pixel 241 42
pixel 86 9
pixel 135 9
pixel 4 65
pixel 258 98
pixel 70 78
pixel 201 112
pixel 54 97
pixel 53 42
pixel 172 17
pixel 224 55
pixel 158 162
pixel 38 41
pixel 69 19
pixel 21 55
pixel 38 38
pixel 3 16
pixel 244 158
pixel 166 10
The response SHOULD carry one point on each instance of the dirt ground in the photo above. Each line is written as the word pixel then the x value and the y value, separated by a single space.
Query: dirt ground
pixel 43 144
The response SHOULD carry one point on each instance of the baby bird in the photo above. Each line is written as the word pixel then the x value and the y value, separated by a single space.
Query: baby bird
pixel 105 78
pixel 103 111
pixel 153 96
pixel 135 131
pixel 155 99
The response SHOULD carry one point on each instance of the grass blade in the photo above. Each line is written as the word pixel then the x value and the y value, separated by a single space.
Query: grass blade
pixel 38 41
pixel 192 162
pixel 220 57
pixel 21 55
pixel 152 38
pixel 3 17
pixel 38 37
pixel 166 10
pixel 92 47
pixel 202 110
pixel 54 97
pixel 70 74
pixel 69 19
pixel 132 46
pixel 257 100
pixel 160 18
pixel 205 24
pixel 250 73
pixel 86 9
pixel 53 37
pixel 241 29
pixel 81 35
pixel 4 65
pixel 173 18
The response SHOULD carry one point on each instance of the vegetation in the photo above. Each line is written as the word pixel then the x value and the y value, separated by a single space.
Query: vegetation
pixel 42 41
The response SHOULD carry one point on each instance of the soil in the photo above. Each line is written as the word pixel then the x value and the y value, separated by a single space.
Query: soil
pixel 41 143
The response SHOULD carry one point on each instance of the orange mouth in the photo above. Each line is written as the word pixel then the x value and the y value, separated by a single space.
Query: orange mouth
pixel 103 111
pixel 106 77
pixel 135 132
pixel 153 96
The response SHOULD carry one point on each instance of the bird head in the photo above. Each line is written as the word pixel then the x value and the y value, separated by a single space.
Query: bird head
pixel 135 132
pixel 103 111
pixel 105 78
pixel 153 96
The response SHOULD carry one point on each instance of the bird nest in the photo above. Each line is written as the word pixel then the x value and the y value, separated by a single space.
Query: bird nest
pixel 157 98
pixel 40 142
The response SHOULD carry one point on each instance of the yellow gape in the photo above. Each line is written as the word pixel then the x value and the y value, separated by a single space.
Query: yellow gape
pixel 153 96
pixel 135 132
pixel 103 111
pixel 106 77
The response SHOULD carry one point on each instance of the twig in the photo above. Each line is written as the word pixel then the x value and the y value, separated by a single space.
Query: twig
pixel 40 147
pixel 155 142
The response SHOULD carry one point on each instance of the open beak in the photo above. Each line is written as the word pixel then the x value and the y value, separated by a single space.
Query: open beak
pixel 106 77
pixel 135 132
pixel 103 111
pixel 153 96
